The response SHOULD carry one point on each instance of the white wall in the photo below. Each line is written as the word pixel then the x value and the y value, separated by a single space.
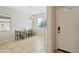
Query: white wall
pixel 18 21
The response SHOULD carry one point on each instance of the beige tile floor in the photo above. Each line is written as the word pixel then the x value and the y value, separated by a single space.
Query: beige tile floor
pixel 31 45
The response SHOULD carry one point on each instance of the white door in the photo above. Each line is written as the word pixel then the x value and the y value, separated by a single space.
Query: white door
pixel 68 20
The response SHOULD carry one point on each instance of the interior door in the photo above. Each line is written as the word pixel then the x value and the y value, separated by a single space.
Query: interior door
pixel 68 21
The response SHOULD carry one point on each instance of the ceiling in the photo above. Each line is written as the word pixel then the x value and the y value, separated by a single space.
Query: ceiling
pixel 30 9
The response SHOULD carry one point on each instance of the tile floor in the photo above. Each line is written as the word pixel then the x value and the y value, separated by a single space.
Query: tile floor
pixel 31 45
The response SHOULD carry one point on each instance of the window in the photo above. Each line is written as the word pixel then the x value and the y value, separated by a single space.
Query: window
pixel 4 24
pixel 41 23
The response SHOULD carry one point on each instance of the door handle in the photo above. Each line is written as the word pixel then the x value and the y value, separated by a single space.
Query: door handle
pixel 58 29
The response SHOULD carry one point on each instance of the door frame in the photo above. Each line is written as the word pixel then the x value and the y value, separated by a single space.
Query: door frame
pixel 51 28
pixel 52 41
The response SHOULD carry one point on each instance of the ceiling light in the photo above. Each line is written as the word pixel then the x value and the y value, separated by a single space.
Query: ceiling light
pixel 27 16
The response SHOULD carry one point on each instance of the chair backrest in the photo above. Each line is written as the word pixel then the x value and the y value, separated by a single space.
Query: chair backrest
pixel 30 31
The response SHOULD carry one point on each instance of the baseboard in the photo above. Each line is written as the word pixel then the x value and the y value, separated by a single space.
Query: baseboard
pixel 63 50
pixel 55 50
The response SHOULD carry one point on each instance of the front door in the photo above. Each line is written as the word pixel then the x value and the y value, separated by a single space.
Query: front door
pixel 68 33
